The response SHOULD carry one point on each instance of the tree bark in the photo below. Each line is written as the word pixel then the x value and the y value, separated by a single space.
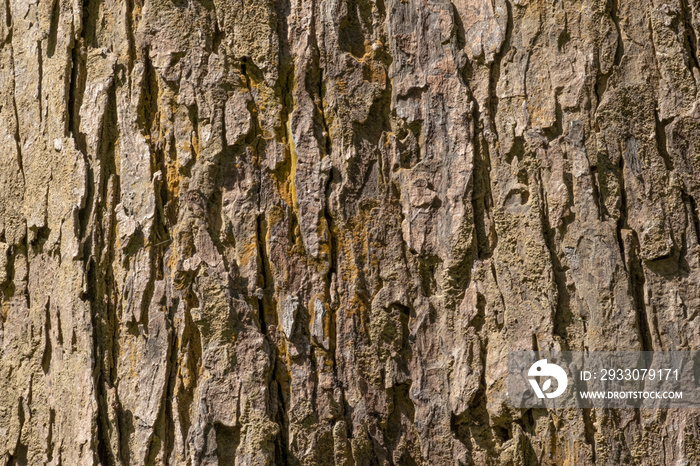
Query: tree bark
pixel 309 232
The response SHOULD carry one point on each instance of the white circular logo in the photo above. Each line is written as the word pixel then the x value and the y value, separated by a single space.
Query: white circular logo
pixel 544 369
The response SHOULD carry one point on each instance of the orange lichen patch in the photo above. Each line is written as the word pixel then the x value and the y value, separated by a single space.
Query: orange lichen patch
pixel 347 269
pixel 259 107
pixel 187 242
pixel 297 247
pixel 285 172
pixel 195 145
pixel 191 353
pixel 356 248
pixel 133 358
pixel 186 146
pixel 374 73
pixel 282 176
pixel 173 256
pixel 173 178
pixel 357 307
pixel 371 49
pixel 185 375
pixel 323 232
pixel 292 169
pixel 342 86
pixel 275 214
pixel 136 11
pixel 117 156
pixel 247 253
pixel 387 138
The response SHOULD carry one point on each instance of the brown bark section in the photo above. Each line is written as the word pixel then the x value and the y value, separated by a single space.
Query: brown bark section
pixel 309 232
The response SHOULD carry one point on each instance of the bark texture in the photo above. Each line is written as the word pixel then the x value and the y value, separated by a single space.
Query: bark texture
pixel 309 232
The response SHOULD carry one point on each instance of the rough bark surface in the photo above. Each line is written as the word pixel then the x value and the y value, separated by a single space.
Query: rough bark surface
pixel 309 232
